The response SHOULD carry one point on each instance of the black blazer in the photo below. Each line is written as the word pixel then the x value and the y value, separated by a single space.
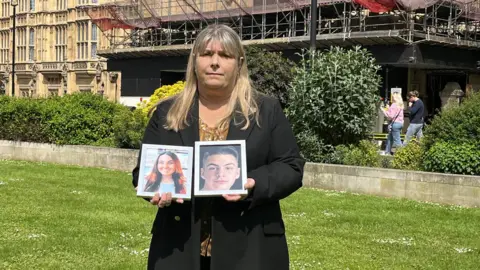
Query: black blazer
pixel 249 234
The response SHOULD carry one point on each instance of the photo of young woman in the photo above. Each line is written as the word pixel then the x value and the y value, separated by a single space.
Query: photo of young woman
pixel 166 169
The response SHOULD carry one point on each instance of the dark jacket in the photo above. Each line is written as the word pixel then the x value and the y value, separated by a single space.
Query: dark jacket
pixel 417 112
pixel 249 234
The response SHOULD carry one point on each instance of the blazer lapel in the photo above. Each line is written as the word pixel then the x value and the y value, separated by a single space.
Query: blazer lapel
pixel 235 131
pixel 190 134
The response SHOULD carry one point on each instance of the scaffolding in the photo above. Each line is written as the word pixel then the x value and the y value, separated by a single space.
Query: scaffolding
pixel 136 24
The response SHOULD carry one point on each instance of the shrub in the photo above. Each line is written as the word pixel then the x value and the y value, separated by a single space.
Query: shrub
pixel 333 94
pixel 311 148
pixel 129 128
pixel 456 124
pixel 270 72
pixel 22 119
pixel 163 92
pixel 409 157
pixel 448 157
pixel 364 154
pixel 80 118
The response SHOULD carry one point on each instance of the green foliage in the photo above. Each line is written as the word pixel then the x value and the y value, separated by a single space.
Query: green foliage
pixel 22 120
pixel 77 119
pixel 270 72
pixel 409 157
pixel 311 148
pixel 456 124
pixel 386 162
pixel 161 93
pixel 364 154
pixel 449 157
pixel 333 95
pixel 129 128
pixel 80 118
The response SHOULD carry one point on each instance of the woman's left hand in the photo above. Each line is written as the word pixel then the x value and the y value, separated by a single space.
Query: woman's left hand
pixel 234 197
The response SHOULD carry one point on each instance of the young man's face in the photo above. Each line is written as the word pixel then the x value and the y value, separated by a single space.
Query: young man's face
pixel 220 172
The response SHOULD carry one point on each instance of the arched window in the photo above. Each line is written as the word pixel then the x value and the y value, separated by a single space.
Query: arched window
pixel 31 42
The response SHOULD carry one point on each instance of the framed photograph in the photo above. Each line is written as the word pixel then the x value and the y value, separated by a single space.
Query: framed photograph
pixel 220 168
pixel 165 168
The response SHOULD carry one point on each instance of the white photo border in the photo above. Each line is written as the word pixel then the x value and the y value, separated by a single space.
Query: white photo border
pixel 243 168
pixel 141 180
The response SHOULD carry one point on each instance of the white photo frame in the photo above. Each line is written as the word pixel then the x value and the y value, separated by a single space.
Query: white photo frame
pixel 148 181
pixel 210 150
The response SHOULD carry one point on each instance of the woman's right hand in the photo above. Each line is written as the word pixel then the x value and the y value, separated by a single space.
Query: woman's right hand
pixel 163 200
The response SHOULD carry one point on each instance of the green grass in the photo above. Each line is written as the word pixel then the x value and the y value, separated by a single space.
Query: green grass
pixel 66 217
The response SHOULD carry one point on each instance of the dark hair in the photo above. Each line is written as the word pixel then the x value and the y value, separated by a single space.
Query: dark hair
pixel 413 93
pixel 155 178
pixel 221 150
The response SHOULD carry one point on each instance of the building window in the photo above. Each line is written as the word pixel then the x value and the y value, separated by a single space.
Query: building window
pixel 82 40
pixel 94 50
pixel 5 9
pixel 31 48
pixel 4 46
pixel 23 5
pixel 32 5
pixel 53 92
pixel 22 44
pixel 61 4
pixel 93 42
pixel 94 32
pixel 60 43
pixel 25 92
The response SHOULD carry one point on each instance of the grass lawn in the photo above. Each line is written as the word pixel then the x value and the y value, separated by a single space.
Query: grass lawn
pixel 65 217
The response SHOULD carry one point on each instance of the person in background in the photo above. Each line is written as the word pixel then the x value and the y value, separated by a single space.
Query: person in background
pixel 416 110
pixel 395 115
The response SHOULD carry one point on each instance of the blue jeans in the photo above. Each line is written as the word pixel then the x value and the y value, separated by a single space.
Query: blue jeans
pixel 393 139
pixel 414 130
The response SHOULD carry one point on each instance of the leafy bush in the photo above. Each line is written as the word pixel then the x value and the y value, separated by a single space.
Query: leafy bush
pixel 161 93
pixel 270 72
pixel 364 154
pixel 456 124
pixel 449 157
pixel 129 128
pixel 311 148
pixel 22 120
pixel 409 157
pixel 78 119
pixel 333 94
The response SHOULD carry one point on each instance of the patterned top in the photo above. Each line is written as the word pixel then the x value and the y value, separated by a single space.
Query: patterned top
pixel 207 133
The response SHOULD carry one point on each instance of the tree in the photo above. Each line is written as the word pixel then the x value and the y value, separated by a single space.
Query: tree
pixel 332 99
pixel 270 72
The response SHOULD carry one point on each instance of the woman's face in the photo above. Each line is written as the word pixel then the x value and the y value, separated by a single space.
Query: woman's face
pixel 215 69
pixel 165 165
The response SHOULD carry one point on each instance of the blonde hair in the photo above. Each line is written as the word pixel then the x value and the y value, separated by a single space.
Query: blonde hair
pixel 243 96
pixel 397 99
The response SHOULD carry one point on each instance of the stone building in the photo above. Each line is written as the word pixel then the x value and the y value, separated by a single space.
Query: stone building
pixel 55 50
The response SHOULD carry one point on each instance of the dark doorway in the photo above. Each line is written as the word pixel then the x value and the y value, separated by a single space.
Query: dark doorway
pixel 171 77
pixel 436 81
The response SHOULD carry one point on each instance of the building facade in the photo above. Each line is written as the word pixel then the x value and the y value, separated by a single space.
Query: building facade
pixel 421 45
pixel 56 48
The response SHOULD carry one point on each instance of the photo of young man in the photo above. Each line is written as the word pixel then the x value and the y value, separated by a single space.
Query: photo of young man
pixel 220 168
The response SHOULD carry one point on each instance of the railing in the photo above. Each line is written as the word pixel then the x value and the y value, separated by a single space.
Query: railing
pixel 55 66
pixel 80 65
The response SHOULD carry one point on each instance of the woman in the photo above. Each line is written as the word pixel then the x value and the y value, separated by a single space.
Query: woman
pixel 167 175
pixel 395 115
pixel 218 103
